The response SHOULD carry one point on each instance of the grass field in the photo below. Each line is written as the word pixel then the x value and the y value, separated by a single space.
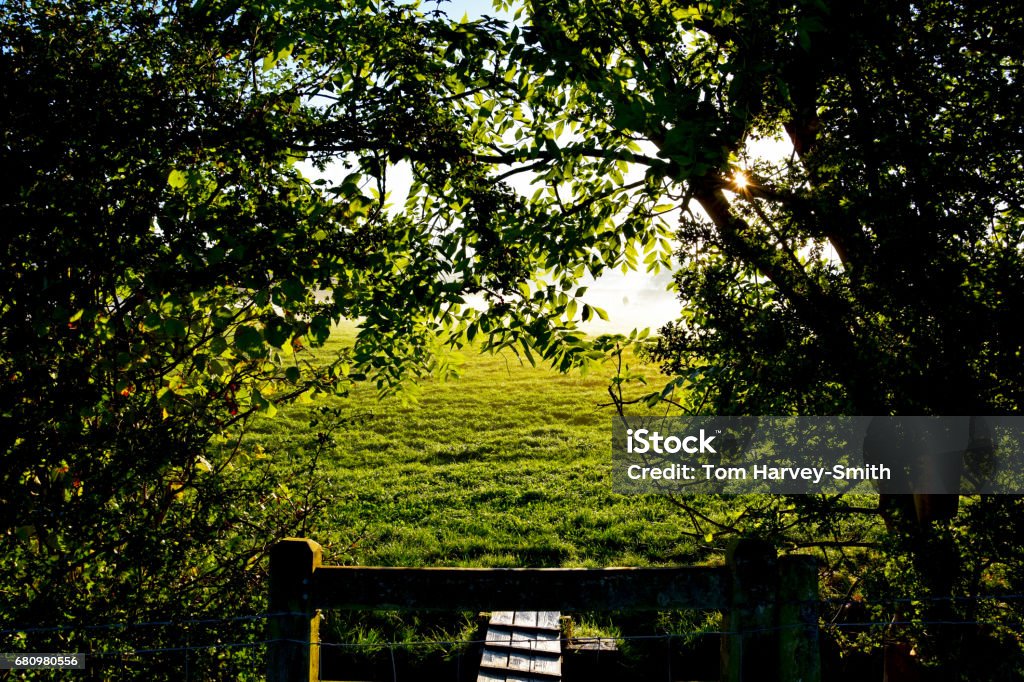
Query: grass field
pixel 507 466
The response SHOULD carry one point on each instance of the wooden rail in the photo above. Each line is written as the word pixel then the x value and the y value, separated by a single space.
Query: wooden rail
pixel 769 602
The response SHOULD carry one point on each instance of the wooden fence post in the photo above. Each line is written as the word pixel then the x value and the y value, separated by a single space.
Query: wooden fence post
pixel 293 654
pixel 750 649
pixel 799 655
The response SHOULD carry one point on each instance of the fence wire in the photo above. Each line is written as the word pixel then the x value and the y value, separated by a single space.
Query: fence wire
pixel 121 654
pixel 30 629
pixel 412 644
pixel 146 624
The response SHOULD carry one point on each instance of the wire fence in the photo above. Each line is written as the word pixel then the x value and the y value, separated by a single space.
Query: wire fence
pixel 379 645
pixel 146 624
pixel 412 644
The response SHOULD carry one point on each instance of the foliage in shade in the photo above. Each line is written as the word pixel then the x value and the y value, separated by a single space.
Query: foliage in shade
pixel 160 287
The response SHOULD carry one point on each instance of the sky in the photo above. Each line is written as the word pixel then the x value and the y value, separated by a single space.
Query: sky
pixel 474 8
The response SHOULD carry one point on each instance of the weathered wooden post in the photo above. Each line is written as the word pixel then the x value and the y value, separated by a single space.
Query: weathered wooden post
pixel 799 655
pixel 293 654
pixel 750 649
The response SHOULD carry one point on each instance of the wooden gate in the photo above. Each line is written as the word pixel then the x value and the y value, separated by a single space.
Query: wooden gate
pixel 769 602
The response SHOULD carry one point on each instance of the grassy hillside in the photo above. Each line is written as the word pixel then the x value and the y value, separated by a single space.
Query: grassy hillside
pixel 507 466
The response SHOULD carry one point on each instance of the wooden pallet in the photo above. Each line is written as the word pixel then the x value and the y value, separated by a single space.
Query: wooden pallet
pixel 522 646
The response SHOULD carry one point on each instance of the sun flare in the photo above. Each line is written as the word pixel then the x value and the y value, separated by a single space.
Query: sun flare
pixel 740 180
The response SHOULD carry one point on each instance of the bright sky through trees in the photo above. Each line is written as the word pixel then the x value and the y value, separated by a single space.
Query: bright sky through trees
pixel 634 299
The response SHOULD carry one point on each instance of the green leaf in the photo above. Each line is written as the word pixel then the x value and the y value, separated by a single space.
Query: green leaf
pixel 248 339
pixel 177 179
pixel 175 329
pixel 277 332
